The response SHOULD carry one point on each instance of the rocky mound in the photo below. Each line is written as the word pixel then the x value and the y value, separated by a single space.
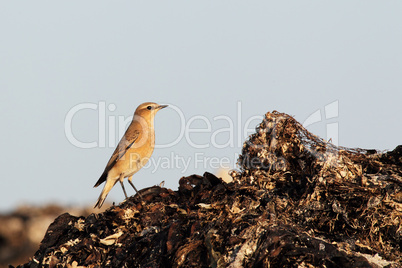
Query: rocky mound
pixel 296 201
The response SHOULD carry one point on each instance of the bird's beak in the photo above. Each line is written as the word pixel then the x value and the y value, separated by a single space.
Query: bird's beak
pixel 162 106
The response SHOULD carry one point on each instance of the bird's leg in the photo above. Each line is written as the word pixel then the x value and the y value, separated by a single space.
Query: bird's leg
pixel 132 184
pixel 121 179
pixel 124 190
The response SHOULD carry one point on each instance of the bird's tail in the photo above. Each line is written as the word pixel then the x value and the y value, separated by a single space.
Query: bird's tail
pixel 101 179
pixel 106 189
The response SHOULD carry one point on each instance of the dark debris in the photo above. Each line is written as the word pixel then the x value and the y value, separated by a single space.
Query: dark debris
pixel 297 201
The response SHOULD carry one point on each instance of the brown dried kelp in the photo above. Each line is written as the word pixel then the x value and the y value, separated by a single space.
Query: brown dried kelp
pixel 297 201
pixel 349 196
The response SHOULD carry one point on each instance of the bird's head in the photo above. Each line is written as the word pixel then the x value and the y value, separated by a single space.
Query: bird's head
pixel 147 110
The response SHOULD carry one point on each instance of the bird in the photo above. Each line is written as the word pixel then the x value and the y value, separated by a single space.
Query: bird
pixel 133 151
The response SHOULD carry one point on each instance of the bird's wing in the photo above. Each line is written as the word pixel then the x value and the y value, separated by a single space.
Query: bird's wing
pixel 124 145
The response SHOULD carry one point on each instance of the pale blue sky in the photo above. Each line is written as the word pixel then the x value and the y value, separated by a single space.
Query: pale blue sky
pixel 204 57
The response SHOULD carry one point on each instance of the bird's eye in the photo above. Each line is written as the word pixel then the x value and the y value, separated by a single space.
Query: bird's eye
pixel 149 107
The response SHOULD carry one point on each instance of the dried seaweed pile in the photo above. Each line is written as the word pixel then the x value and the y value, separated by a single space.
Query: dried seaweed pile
pixel 297 201
pixel 352 197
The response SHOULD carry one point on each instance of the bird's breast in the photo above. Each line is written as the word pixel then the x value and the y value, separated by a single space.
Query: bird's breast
pixel 135 158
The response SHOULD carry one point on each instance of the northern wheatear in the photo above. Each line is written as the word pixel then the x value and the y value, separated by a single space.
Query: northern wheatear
pixel 133 151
